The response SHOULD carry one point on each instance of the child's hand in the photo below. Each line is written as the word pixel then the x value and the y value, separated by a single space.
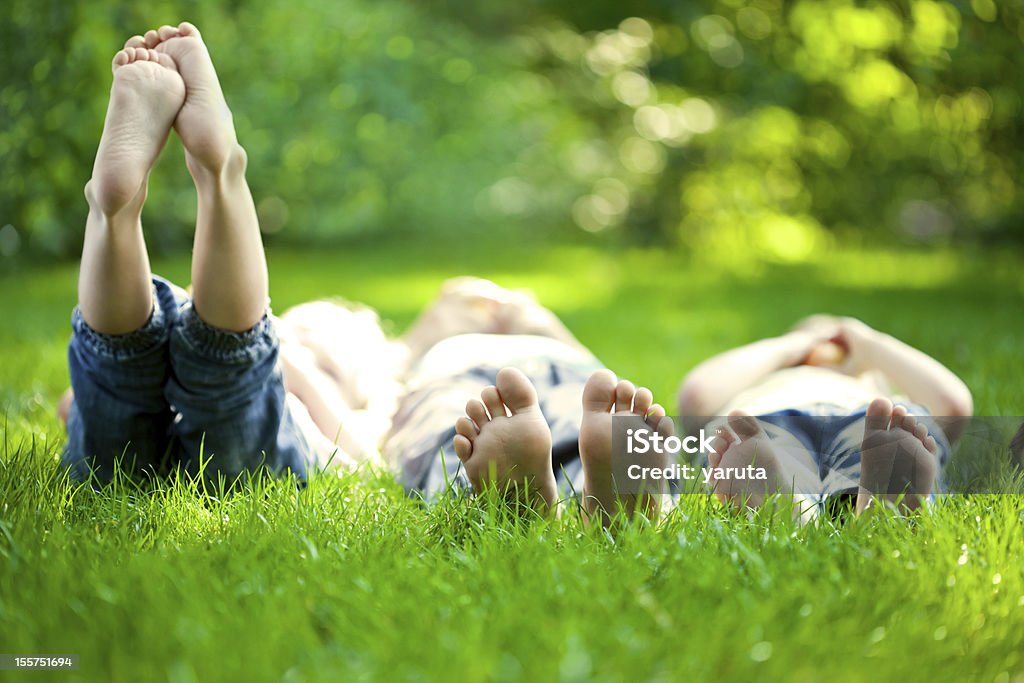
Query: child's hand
pixel 830 341
pixel 858 339
pixel 815 346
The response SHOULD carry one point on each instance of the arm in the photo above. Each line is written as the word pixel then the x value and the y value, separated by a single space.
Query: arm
pixel 710 385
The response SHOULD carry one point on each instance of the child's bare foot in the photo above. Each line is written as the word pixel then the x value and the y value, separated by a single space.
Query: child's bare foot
pixel 64 406
pixel 204 123
pixel 897 457
pixel 144 99
pixel 511 452
pixel 745 466
pixel 604 398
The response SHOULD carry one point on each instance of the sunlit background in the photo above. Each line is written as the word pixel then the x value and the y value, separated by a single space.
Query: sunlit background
pixel 764 127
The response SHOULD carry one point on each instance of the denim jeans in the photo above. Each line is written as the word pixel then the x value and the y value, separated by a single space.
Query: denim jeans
pixel 178 392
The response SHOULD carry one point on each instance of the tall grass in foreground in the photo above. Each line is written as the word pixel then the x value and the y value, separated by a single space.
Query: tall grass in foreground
pixel 348 578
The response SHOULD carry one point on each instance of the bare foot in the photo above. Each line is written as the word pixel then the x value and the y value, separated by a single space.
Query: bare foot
pixel 505 441
pixel 64 406
pixel 204 124
pixel 897 457
pixel 604 398
pixel 746 468
pixel 146 95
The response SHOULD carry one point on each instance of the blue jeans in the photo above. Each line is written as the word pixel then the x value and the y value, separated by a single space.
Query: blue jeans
pixel 178 392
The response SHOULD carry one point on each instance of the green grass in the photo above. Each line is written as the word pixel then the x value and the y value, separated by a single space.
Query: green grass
pixel 349 579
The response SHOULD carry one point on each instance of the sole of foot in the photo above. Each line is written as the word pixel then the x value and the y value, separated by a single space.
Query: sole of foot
pixel 746 468
pixel 146 96
pixel 606 398
pixel 898 460
pixel 204 123
pixel 504 442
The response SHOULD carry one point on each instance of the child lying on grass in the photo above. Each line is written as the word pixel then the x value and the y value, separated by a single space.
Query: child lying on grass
pixel 161 378
pixel 827 425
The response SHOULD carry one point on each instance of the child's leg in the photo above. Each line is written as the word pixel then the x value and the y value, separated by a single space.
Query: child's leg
pixel 226 384
pixel 229 270
pixel 117 357
pixel 114 284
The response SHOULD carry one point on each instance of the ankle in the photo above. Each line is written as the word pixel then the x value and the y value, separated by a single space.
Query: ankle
pixel 112 200
pixel 213 169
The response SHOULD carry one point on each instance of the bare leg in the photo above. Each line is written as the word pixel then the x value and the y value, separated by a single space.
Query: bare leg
pixel 356 432
pixel 114 285
pixel 229 270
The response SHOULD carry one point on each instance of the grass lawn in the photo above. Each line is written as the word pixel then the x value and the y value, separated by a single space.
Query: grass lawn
pixel 351 580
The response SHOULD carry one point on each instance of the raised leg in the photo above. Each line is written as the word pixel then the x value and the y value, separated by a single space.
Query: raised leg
pixel 115 284
pixel 225 381
pixel 117 358
pixel 229 270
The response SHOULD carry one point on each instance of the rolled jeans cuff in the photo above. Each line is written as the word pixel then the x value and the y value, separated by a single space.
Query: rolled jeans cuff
pixel 152 334
pixel 223 346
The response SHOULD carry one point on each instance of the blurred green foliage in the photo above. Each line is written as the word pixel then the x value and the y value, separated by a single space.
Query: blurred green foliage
pixel 715 124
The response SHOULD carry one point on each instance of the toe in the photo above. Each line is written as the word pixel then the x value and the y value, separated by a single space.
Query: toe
pixel 477 413
pixel 879 414
pixel 719 445
pixel 121 58
pixel 909 424
pixel 654 414
pixel 187 29
pixel 898 414
pixel 663 424
pixel 492 399
pixel 463 448
pixel 515 390
pixel 599 393
pixel 465 427
pixel 166 32
pixel 624 393
pixel 152 38
pixel 930 445
pixel 135 41
pixel 642 401
pixel 921 431
pixel 745 426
